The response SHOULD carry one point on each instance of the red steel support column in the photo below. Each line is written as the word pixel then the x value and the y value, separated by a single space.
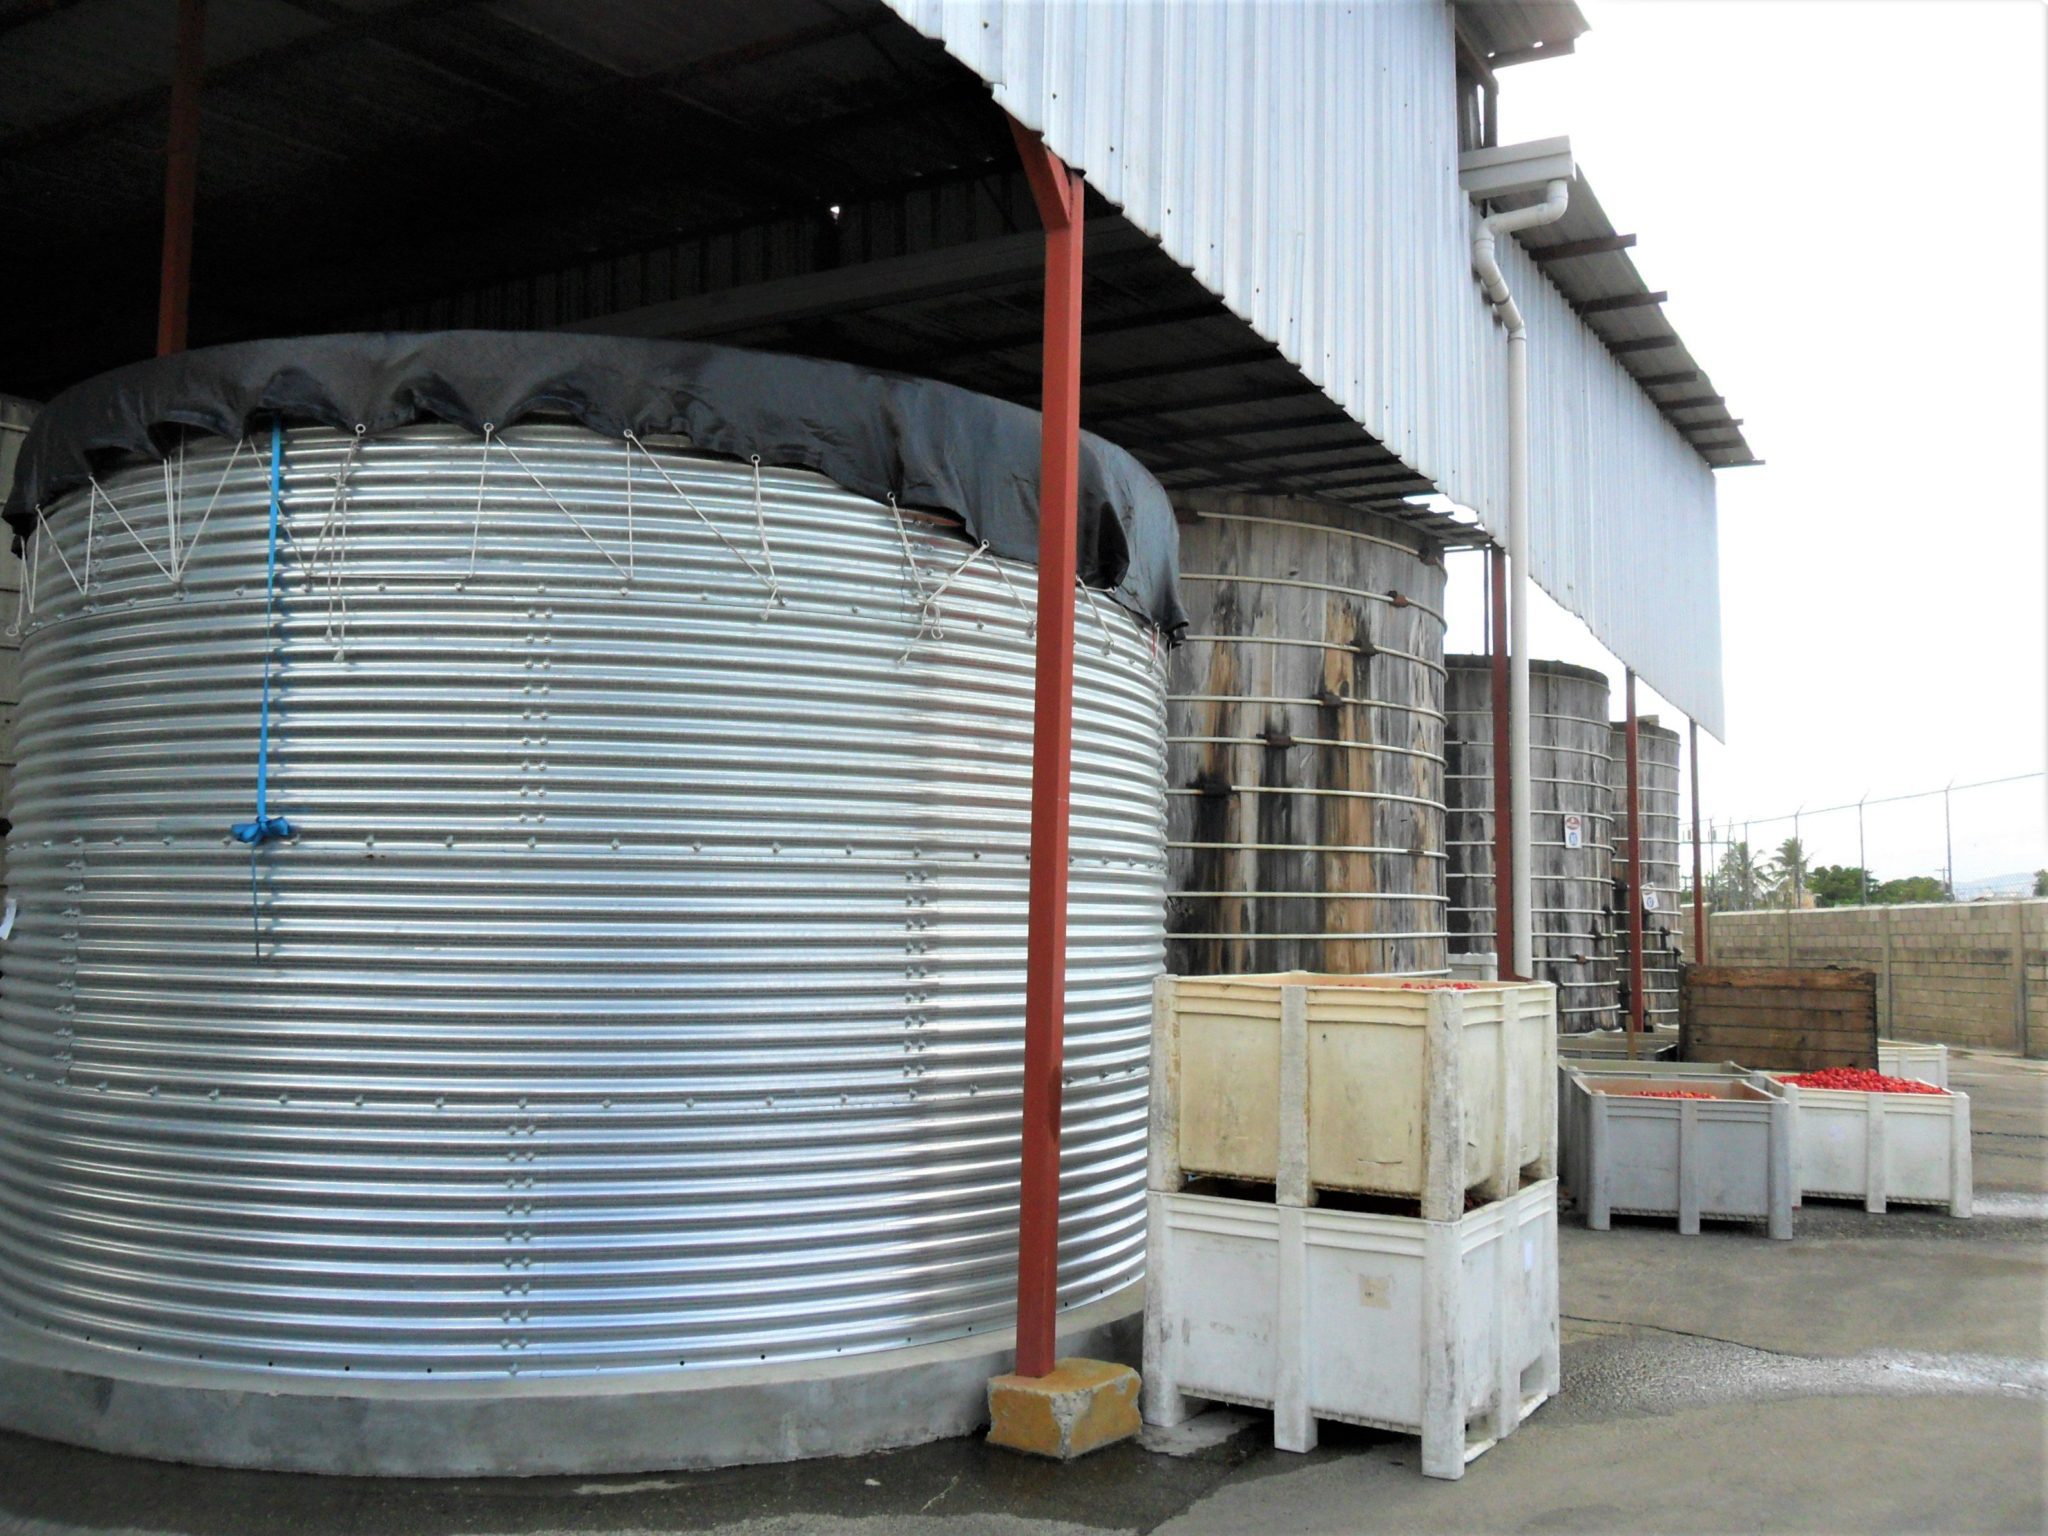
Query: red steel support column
pixel 1057 192
pixel 1503 809
pixel 1635 876
pixel 181 179
pixel 1699 890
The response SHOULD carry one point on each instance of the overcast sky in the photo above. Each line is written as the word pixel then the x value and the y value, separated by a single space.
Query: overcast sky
pixel 1845 199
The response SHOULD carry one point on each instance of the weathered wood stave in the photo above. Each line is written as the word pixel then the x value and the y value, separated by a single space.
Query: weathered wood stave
pixel 1305 816
pixel 1573 896
pixel 1657 750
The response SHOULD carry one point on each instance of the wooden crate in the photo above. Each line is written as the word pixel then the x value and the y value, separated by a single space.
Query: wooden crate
pixel 1408 1092
pixel 1778 1020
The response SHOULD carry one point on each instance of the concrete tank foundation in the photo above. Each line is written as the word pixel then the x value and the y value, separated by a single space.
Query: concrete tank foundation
pixel 657 1422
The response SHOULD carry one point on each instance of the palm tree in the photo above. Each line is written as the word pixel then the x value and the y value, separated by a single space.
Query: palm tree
pixel 1735 882
pixel 1785 874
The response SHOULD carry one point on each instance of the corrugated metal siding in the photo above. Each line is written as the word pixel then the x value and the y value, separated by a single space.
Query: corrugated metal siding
pixel 1302 161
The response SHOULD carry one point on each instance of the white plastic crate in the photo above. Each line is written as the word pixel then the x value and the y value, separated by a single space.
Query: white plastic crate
pixel 1446 1330
pixel 1612 1045
pixel 1412 1093
pixel 1884 1148
pixel 1910 1058
pixel 1674 1070
pixel 1727 1157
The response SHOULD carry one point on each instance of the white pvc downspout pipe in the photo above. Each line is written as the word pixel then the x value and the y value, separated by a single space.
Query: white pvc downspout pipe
pixel 1484 262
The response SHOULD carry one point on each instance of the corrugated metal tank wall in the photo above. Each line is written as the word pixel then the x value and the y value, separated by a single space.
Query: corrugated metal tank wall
pixel 1657 761
pixel 1305 754
pixel 1573 887
pixel 644 988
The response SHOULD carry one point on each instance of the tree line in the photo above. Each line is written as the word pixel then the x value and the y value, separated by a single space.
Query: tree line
pixel 1742 882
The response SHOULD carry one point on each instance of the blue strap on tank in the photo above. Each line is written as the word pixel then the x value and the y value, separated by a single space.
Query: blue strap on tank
pixel 266 826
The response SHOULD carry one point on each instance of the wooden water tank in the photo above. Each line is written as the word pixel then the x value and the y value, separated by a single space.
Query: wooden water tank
pixel 1572 899
pixel 1657 749
pixel 1305 815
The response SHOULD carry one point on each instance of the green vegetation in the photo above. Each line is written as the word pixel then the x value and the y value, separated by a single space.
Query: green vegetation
pixel 1740 884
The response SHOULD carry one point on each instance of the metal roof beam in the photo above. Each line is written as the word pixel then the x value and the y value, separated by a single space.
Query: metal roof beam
pixel 1597 246
pixel 1363 445
pixel 1011 341
pixel 1644 344
pixel 1396 480
pixel 867 285
pixel 1333 417
pixel 22 12
pixel 1619 301
pixel 157 98
pixel 1205 402
pixel 1239 357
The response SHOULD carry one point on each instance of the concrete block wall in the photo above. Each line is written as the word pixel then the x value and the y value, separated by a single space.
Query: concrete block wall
pixel 1969 974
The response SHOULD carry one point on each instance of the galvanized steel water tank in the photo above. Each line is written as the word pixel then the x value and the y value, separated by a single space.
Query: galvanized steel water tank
pixel 640 1000
pixel 1572 876
pixel 1306 743
pixel 1657 769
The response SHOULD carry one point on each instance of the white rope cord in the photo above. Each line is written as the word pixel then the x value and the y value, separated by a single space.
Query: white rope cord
pixel 35 568
pixel 21 593
pixel 174 491
pixel 331 546
pixel 114 507
pixel 574 521
pixel 683 495
pixel 476 526
pixel 629 508
pixel 1108 637
pixel 170 515
pixel 909 559
pixel 185 564
pixel 929 621
pixel 775 597
pixel 45 533
pixel 1030 618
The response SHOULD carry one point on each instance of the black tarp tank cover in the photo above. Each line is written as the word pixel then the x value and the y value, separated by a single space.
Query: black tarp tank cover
pixel 878 434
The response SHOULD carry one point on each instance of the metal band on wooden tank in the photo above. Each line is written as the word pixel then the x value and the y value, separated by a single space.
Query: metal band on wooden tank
pixel 1573 885
pixel 1305 743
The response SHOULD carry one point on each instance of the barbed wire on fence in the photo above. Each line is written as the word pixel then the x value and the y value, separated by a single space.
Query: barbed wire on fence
pixel 1736 879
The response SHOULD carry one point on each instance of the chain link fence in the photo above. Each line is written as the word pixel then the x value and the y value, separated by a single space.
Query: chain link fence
pixel 1960 842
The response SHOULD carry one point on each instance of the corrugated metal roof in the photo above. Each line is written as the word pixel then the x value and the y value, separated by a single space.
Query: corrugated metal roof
pixel 1305 324
pixel 1583 257
pixel 1302 162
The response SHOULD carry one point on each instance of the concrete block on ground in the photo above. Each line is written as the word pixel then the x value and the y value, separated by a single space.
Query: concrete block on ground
pixel 1081 1407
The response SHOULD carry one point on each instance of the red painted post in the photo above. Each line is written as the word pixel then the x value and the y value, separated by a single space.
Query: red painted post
pixel 181 179
pixel 1503 808
pixel 1699 890
pixel 1057 192
pixel 1635 876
